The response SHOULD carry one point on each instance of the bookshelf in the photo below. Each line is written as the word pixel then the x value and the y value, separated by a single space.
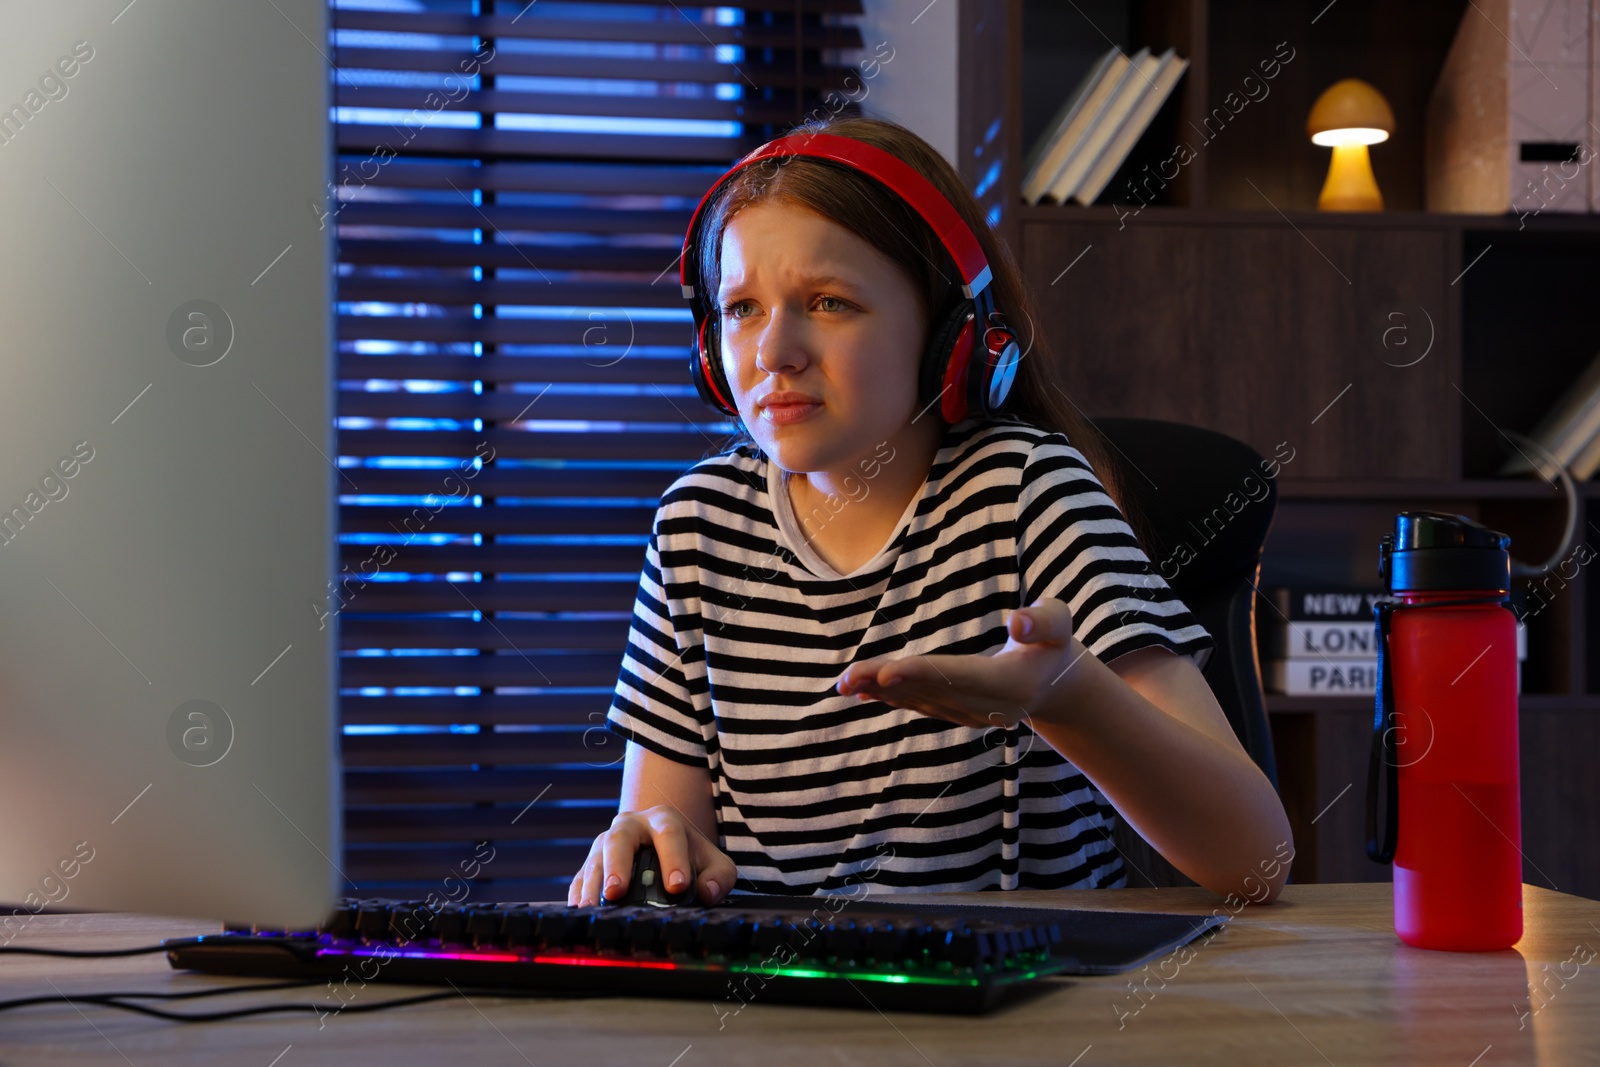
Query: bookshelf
pixel 1230 302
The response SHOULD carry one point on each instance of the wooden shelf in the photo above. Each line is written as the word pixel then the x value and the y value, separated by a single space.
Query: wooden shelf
pixel 1560 703
pixel 1132 214
pixel 1417 489
pixel 1228 302
pixel 1527 703
pixel 1283 702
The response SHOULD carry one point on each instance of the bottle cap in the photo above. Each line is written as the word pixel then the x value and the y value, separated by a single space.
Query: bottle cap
pixel 1432 550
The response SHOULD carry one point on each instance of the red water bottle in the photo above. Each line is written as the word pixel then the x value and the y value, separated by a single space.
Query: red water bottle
pixel 1445 735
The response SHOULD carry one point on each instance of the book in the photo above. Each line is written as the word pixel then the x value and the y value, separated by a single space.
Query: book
pixel 1133 81
pixel 1052 150
pixel 1317 640
pixel 1570 432
pixel 1168 70
pixel 1326 603
pixel 1319 677
pixel 1338 640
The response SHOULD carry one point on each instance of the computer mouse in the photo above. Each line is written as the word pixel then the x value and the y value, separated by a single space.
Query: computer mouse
pixel 648 887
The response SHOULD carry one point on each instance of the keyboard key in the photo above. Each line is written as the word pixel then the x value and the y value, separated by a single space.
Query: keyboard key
pixel 725 935
pixel 680 935
pixel 768 934
pixel 844 939
pixel 450 926
pixel 483 928
pixel 965 947
pixel 517 927
pixel 372 921
pixel 607 930
pixel 644 930
pixel 887 941
pixel 411 923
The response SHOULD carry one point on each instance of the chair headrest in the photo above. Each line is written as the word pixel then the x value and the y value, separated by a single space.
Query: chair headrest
pixel 1206 500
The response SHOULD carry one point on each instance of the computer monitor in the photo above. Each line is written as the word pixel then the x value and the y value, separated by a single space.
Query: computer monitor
pixel 167 462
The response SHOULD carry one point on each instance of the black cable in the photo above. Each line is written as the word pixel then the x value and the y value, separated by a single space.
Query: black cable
pixel 194 994
pixel 100 953
pixel 118 1000
pixel 139 994
pixel 1568 490
pixel 105 1000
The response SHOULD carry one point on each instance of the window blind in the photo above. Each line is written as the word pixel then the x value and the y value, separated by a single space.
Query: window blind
pixel 512 185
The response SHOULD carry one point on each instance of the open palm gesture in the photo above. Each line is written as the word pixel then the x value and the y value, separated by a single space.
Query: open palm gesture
pixel 998 689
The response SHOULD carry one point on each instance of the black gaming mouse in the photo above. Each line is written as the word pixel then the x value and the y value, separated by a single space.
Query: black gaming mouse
pixel 648 887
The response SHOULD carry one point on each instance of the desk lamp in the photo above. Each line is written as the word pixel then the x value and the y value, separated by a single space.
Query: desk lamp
pixel 1348 116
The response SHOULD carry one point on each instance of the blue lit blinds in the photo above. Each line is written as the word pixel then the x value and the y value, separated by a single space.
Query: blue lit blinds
pixel 513 182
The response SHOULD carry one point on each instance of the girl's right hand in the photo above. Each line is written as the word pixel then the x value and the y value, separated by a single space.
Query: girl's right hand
pixel 685 854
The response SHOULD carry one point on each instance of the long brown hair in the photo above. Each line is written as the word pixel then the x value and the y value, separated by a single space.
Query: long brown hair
pixel 882 219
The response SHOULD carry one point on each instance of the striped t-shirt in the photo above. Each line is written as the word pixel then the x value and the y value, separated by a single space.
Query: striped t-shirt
pixel 740 631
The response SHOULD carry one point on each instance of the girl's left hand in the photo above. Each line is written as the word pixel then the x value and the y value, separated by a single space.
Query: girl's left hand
pixel 999 689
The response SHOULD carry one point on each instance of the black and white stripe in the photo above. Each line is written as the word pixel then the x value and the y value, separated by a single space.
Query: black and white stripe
pixel 740 631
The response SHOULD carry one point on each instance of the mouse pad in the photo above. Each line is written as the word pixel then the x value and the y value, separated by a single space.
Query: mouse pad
pixel 1104 942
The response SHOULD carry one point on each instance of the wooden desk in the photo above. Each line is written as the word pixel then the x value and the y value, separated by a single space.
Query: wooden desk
pixel 1318 977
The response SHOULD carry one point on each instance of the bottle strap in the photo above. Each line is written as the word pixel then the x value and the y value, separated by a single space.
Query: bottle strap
pixel 1382 754
pixel 1383 772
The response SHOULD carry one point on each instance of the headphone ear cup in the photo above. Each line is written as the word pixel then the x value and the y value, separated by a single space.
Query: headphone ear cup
pixel 705 367
pixel 1001 355
pixel 942 363
pixel 697 372
pixel 713 362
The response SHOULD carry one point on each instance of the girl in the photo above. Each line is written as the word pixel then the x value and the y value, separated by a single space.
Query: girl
pixel 831 676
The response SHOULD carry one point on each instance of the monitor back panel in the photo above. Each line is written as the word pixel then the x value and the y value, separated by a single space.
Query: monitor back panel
pixel 167 478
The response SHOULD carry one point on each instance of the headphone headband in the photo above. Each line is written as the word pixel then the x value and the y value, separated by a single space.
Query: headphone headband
pixel 946 223
pixel 968 366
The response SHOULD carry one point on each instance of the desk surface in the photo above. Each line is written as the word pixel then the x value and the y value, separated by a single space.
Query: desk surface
pixel 1317 977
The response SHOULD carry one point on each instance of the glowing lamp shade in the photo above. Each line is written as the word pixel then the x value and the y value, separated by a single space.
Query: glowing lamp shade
pixel 1348 116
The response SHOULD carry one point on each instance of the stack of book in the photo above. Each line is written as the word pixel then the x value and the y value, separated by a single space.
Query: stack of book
pixel 1321 642
pixel 1098 126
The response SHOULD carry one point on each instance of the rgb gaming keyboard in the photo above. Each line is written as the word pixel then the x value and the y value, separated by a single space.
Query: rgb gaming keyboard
pixel 888 955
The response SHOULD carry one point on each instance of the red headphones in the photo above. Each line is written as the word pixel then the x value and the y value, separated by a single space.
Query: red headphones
pixel 946 371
